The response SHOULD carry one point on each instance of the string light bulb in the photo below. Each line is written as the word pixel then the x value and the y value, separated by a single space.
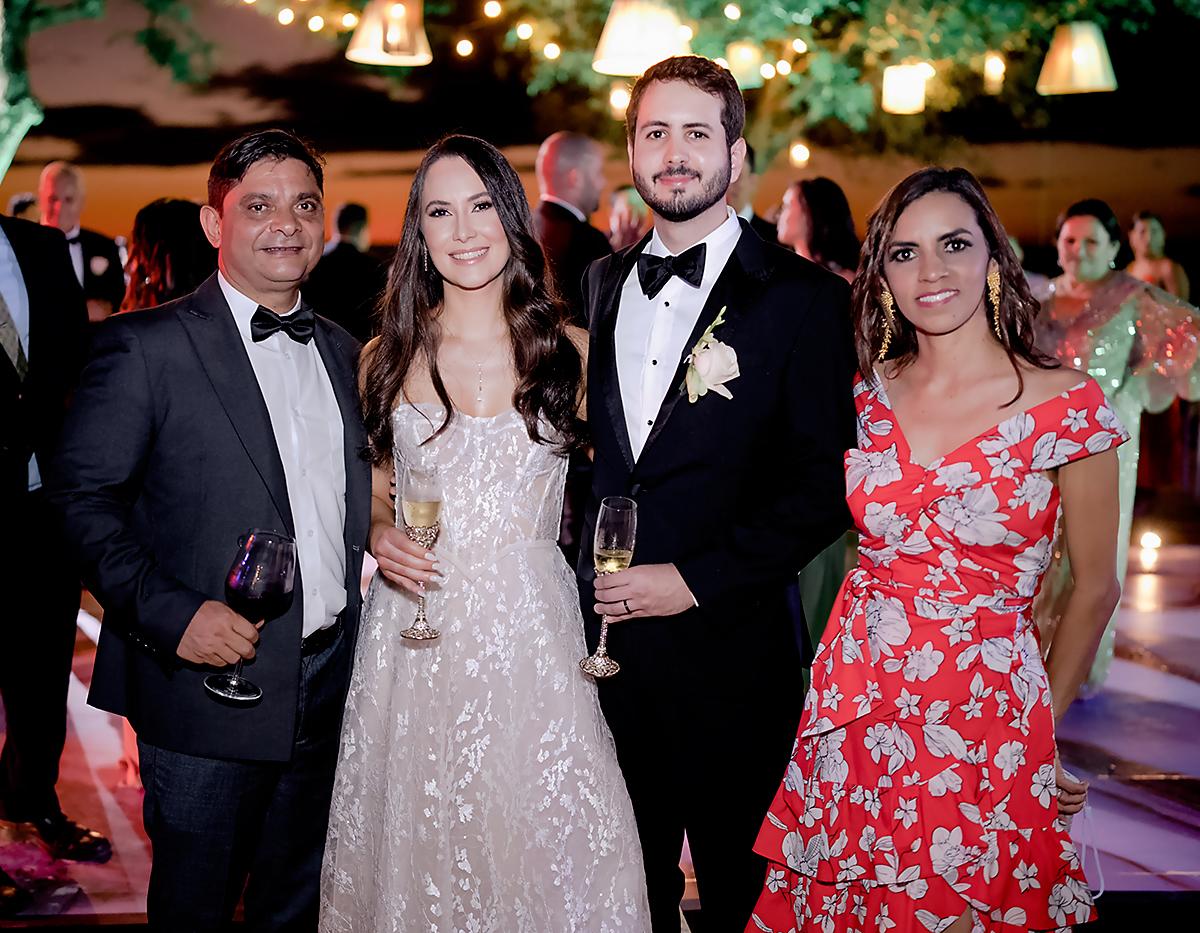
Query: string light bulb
pixel 316 23
pixel 286 16
pixel 993 72
pixel 524 31
pixel 464 47
pixel 767 70
pixel 799 154
pixel 551 50
pixel 783 67
pixel 618 100
pixel 733 11
pixel 349 21
pixel 492 9
pixel 799 46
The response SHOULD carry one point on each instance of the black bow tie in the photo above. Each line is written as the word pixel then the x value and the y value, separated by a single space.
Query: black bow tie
pixel 298 326
pixel 655 271
pixel 72 240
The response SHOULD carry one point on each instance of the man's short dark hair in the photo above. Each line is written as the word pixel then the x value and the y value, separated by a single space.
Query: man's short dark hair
pixel 351 218
pixel 702 73
pixel 236 158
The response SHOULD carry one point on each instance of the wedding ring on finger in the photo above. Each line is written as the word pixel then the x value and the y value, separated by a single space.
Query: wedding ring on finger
pixel 628 611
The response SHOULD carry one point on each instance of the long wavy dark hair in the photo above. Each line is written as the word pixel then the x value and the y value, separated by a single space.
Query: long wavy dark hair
pixel 549 370
pixel 169 256
pixel 1018 307
pixel 831 235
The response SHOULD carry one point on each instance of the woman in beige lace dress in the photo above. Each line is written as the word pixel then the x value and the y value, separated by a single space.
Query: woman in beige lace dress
pixel 478 787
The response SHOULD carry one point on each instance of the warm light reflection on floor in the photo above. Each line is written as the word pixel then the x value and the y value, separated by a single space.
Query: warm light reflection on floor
pixel 1145 592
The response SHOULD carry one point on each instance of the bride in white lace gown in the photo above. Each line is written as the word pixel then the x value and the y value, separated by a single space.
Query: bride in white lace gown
pixel 477 789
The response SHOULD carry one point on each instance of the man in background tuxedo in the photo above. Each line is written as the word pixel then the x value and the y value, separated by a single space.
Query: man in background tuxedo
pixel 570 175
pixel 347 283
pixel 741 198
pixel 737 489
pixel 43 327
pixel 95 258
pixel 229 409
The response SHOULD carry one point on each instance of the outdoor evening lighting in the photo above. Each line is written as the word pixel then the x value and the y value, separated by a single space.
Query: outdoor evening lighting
pixel 492 9
pixel 1077 62
pixel 350 20
pixel 745 62
pixel 993 72
pixel 618 100
pixel 551 50
pixel 285 17
pixel 464 47
pixel 524 31
pixel 799 154
pixel 638 34
pixel 391 33
pixel 904 88
pixel 316 23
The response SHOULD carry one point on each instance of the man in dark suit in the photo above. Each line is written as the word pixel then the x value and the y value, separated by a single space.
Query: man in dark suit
pixel 229 409
pixel 570 175
pixel 347 283
pixel 733 452
pixel 95 258
pixel 741 198
pixel 43 327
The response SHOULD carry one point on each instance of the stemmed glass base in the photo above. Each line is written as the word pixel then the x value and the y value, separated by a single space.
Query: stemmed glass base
pixel 600 665
pixel 233 687
pixel 420 630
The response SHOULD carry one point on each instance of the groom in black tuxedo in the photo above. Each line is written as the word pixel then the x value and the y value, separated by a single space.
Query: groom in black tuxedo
pixel 735 462
pixel 229 409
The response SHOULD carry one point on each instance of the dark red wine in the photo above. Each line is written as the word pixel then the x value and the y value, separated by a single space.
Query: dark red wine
pixel 258 608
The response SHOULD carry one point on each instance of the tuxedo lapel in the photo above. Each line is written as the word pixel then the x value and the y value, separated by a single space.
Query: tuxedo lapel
pixel 735 290
pixel 606 308
pixel 214 335
pixel 354 436
pixel 42 318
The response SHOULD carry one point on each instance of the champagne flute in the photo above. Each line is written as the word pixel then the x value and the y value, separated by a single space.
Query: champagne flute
pixel 258 587
pixel 420 509
pixel 616 529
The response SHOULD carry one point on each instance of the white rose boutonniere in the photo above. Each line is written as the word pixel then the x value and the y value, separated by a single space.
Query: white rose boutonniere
pixel 711 364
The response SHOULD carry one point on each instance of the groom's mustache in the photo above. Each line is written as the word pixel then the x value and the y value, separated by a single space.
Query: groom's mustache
pixel 677 173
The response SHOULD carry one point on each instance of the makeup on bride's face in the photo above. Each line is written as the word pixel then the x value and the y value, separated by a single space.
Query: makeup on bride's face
pixel 936 263
pixel 466 240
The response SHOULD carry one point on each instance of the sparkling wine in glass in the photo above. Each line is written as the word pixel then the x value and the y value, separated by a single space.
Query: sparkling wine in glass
pixel 420 510
pixel 258 587
pixel 616 530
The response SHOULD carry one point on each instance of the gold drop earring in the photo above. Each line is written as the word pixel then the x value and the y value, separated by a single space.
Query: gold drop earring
pixel 887 302
pixel 993 289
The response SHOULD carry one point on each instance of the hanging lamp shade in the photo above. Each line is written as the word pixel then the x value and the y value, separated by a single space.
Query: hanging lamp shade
pixel 1077 62
pixel 391 32
pixel 904 88
pixel 745 63
pixel 638 34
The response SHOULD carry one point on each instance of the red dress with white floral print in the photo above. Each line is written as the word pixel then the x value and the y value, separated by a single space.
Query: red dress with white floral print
pixel 922 781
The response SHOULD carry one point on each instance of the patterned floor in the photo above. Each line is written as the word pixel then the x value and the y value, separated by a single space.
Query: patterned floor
pixel 1135 741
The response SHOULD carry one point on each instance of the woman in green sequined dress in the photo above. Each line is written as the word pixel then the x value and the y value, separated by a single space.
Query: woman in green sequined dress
pixel 1137 341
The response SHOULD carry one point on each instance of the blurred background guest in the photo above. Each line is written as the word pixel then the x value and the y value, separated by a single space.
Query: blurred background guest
pixel 628 217
pixel 815 221
pixel 1138 342
pixel 570 177
pixel 23 206
pixel 95 257
pixel 169 256
pixel 1148 240
pixel 741 197
pixel 43 337
pixel 348 281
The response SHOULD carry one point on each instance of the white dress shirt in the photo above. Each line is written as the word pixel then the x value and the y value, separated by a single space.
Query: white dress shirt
pixel 651 333
pixel 76 249
pixel 16 296
pixel 307 424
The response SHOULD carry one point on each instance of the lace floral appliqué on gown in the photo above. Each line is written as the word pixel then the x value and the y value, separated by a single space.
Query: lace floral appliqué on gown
pixel 922 783
pixel 478 789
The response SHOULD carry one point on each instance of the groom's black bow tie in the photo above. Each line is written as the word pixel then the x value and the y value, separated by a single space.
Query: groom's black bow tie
pixel 72 240
pixel 298 326
pixel 655 271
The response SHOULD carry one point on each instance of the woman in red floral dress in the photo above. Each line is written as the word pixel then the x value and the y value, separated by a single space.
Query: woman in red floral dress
pixel 925 792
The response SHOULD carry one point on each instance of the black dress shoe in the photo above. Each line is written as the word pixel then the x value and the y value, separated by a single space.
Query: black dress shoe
pixel 66 839
pixel 13 897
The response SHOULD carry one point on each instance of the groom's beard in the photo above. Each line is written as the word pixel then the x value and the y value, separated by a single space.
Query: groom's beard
pixel 679 206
